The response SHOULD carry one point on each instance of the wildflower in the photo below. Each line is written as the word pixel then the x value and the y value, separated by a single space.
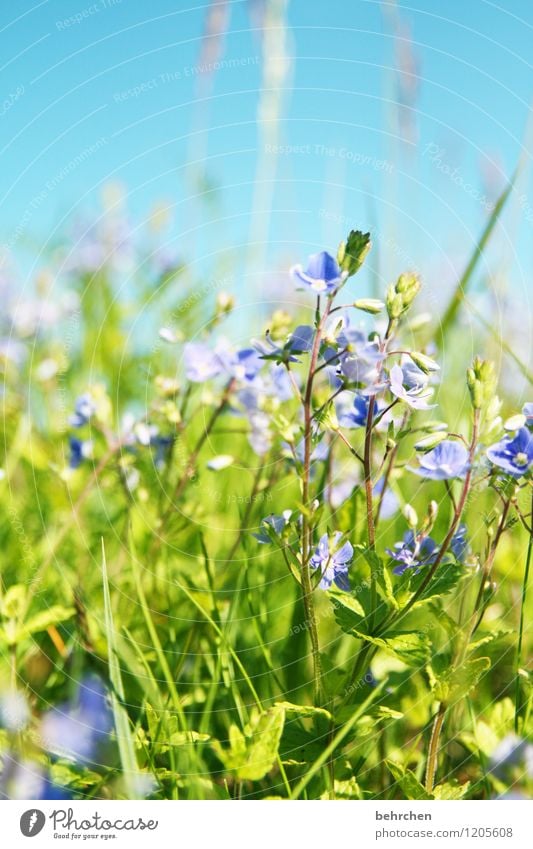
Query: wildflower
pixel 332 561
pixel 408 384
pixel 527 411
pixel 277 523
pixel 359 358
pixel 201 362
pixel 413 552
pixel 448 460
pixel 299 342
pixel 459 543
pixel 354 415
pixel 511 752
pixel 80 450
pixel 513 455
pixel 75 731
pixel 323 274
pixel 14 711
pixel 84 410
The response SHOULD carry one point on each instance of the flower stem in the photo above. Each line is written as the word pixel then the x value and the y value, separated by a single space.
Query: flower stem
pixel 433 750
pixel 521 625
pixel 307 530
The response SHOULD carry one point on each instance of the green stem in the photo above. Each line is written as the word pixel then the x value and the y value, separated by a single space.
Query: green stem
pixel 521 625
pixel 433 750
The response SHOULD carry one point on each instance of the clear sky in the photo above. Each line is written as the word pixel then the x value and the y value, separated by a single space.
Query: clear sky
pixel 119 90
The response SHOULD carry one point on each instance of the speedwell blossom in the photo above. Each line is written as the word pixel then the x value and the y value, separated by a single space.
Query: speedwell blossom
pixel 277 523
pixel 360 358
pixel 74 731
pixel 409 384
pixel 84 410
pixel 448 460
pixel 323 274
pixel 527 411
pixel 513 455
pixel 413 552
pixel 80 450
pixel 354 414
pixel 332 561
pixel 299 342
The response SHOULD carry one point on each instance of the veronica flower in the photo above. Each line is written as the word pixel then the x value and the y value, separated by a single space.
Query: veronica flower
pixel 360 359
pixel 332 561
pixel 511 752
pixel 201 362
pixel 74 731
pixel 459 543
pixel 354 415
pixel 84 410
pixel 323 274
pixel 404 386
pixel 299 342
pixel 260 436
pixel 277 523
pixel 448 460
pixel 80 450
pixel 527 411
pixel 513 455
pixel 413 552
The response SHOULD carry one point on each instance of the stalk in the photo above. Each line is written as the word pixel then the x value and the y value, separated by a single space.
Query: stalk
pixel 521 625
pixel 433 750
pixel 307 588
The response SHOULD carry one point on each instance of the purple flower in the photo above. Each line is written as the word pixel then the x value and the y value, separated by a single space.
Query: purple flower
pixel 405 385
pixel 84 410
pixel 332 561
pixel 413 552
pixel 323 274
pixel 513 455
pixel 359 358
pixel 448 460
pixel 276 523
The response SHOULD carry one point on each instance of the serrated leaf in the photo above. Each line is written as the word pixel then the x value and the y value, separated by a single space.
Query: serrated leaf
pixel 251 757
pixel 408 782
pixel 455 684
pixel 411 647
pixel 451 790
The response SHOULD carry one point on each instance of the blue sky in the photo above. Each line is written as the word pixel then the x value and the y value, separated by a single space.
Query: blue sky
pixel 109 90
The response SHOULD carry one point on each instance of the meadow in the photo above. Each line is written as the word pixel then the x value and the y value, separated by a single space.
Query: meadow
pixel 294 567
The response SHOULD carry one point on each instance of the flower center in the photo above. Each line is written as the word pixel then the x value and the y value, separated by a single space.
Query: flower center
pixel 521 459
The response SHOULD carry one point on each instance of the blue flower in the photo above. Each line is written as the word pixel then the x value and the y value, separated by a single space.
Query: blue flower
pixel 513 455
pixel 448 460
pixel 527 411
pixel 407 385
pixel 511 752
pixel 332 561
pixel 80 450
pixel 459 543
pixel 276 523
pixel 201 363
pixel 84 410
pixel 413 552
pixel 359 358
pixel 323 274
pixel 299 342
pixel 354 415
pixel 74 731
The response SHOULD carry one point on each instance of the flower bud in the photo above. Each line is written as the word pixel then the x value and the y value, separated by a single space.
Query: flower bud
pixel 401 296
pixel 410 516
pixel 426 364
pixel 481 380
pixel 370 305
pixel 353 252
pixel 428 443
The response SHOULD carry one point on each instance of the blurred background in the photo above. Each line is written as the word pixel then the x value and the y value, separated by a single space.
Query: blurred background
pixel 246 134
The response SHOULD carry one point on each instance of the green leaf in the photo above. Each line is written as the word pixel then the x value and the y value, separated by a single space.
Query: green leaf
pixel 455 684
pixel 448 320
pixel 411 647
pixel 408 782
pixel 43 620
pixel 252 755
pixel 303 710
pixel 451 790
pixel 126 743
